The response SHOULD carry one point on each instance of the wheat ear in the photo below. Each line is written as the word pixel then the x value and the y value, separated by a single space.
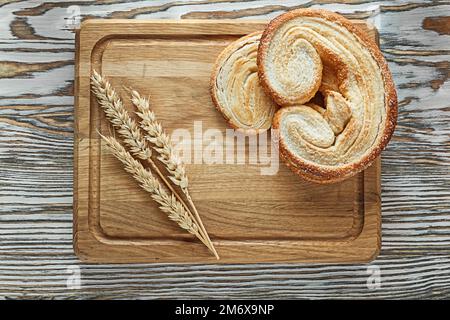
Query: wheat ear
pixel 163 146
pixel 116 113
pixel 167 203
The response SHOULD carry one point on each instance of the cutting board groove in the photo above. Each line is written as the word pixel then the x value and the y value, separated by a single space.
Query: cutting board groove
pixel 250 217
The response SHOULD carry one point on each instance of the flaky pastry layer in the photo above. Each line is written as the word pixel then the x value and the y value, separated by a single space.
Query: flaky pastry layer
pixel 307 51
pixel 235 88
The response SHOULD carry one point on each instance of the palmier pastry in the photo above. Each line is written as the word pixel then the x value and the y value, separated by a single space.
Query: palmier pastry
pixel 235 87
pixel 305 51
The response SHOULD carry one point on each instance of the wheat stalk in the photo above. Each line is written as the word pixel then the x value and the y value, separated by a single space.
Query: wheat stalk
pixel 116 113
pixel 160 140
pixel 163 146
pixel 168 203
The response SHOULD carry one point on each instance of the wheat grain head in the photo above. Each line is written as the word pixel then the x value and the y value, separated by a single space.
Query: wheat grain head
pixel 118 116
pixel 168 203
pixel 160 140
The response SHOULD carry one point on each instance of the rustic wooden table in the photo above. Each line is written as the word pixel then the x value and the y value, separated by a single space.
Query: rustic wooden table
pixel 36 150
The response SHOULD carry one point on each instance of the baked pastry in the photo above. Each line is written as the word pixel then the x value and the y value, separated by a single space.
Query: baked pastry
pixel 305 51
pixel 235 87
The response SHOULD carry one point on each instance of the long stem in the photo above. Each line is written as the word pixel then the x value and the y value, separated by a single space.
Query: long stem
pixel 199 221
pixel 196 216
pixel 162 145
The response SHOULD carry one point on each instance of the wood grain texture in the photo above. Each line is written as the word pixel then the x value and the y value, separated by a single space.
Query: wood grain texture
pixel 251 218
pixel 36 130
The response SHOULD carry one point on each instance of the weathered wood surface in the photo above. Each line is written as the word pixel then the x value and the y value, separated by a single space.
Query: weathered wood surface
pixel 36 140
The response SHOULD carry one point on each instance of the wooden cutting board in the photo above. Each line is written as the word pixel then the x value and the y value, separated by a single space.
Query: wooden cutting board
pixel 250 217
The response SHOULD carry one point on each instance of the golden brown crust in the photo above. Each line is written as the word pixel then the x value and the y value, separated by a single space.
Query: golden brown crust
pixel 213 83
pixel 308 170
